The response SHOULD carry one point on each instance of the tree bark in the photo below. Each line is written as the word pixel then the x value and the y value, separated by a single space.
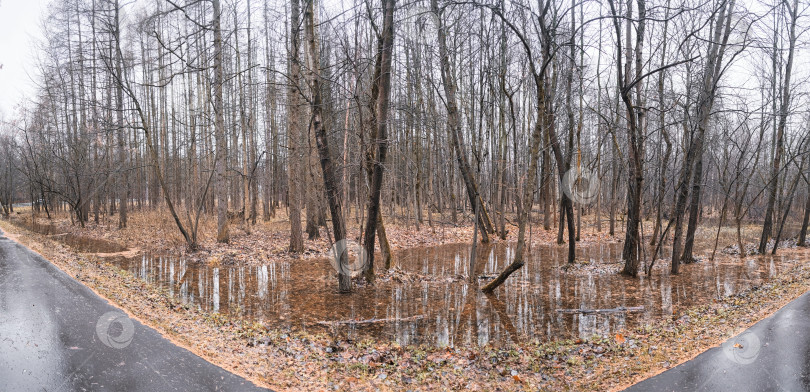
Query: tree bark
pixel 767 225
pixel 294 134
pixel 711 75
pixel 123 188
pixel 330 178
pixel 221 187
pixel 454 130
pixel 385 47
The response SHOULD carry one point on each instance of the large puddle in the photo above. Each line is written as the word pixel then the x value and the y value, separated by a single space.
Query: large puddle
pixel 430 301
pixel 78 243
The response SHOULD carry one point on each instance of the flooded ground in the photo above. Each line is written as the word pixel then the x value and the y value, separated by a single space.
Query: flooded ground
pixel 78 243
pixel 429 300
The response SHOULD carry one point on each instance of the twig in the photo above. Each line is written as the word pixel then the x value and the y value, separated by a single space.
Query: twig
pixel 620 309
pixel 370 321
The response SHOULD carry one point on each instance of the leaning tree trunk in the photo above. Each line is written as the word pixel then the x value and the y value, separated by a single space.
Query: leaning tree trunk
pixel 528 191
pixel 330 178
pixel 542 120
pixel 454 132
pixel 792 192
pixel 121 81
pixel 712 72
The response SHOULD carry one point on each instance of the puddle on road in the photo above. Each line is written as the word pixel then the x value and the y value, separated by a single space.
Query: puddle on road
pixel 444 309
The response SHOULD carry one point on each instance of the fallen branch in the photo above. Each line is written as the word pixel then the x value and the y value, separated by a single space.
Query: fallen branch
pixel 620 309
pixel 370 321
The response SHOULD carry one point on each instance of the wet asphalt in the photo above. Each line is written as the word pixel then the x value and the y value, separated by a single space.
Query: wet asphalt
pixel 57 335
pixel 772 355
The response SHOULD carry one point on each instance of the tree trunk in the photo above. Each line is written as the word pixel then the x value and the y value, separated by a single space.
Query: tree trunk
pixel 803 233
pixel 221 187
pixel 294 134
pixel 544 119
pixel 329 174
pixel 694 213
pixel 454 130
pixel 385 46
pixel 123 188
pixel 767 225
pixel 711 75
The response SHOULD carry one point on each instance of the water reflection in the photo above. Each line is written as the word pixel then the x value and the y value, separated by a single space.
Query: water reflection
pixel 430 300
pixel 79 243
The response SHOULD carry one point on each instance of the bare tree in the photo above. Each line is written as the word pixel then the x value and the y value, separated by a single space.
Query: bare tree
pixel 329 175
pixel 382 85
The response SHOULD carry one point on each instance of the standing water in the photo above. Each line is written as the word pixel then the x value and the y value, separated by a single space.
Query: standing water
pixel 427 298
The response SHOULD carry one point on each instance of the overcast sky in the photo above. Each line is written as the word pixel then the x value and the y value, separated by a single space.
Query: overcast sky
pixel 19 27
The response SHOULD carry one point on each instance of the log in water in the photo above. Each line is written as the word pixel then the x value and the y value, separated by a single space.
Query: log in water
pixel 620 309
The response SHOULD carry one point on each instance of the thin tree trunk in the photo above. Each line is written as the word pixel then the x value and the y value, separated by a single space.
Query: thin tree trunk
pixel 294 133
pixel 454 130
pixel 767 225
pixel 712 72
pixel 329 174
pixel 123 188
pixel 221 187
pixel 803 233
pixel 385 46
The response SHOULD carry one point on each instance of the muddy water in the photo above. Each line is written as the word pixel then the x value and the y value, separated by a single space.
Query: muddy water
pixel 79 243
pixel 430 301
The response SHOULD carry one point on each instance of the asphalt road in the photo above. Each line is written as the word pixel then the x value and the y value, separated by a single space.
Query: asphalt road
pixel 57 335
pixel 772 355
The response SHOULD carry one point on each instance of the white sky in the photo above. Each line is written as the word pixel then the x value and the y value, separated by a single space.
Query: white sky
pixel 19 28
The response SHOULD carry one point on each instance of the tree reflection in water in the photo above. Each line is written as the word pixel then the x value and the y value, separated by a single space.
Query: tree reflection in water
pixel 432 292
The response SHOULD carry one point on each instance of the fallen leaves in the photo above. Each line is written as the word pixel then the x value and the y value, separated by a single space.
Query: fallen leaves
pixel 287 360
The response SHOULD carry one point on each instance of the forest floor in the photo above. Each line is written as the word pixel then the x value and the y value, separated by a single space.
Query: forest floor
pixel 156 232
pixel 286 360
